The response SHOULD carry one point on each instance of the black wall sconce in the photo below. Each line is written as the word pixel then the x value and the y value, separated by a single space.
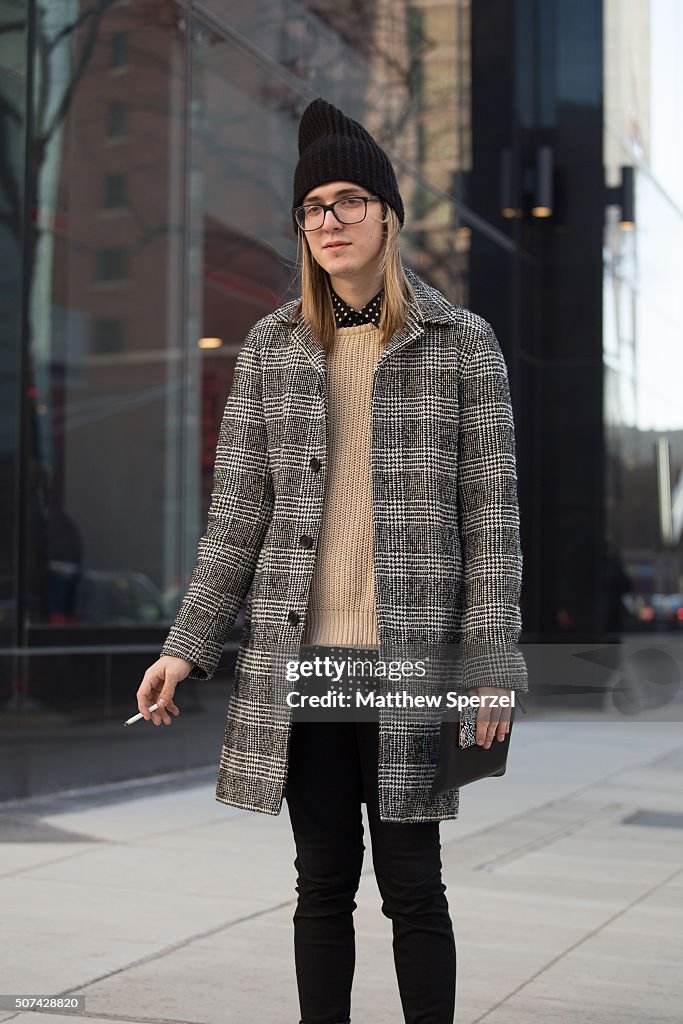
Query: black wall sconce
pixel 509 190
pixel 537 182
pixel 624 196
pixel 542 190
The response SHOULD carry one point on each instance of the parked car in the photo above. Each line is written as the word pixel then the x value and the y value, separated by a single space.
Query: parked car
pixel 654 612
pixel 103 597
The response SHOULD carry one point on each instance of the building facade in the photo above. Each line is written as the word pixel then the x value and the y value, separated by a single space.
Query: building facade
pixel 148 154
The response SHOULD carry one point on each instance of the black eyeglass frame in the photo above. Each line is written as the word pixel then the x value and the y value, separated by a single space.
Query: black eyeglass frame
pixel 330 206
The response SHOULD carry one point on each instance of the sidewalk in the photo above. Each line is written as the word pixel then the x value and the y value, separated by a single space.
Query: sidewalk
pixel 170 907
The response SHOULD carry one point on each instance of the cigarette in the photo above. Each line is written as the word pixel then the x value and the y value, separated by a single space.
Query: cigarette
pixel 136 718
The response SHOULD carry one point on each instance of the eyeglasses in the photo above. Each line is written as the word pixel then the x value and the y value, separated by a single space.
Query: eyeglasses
pixel 351 210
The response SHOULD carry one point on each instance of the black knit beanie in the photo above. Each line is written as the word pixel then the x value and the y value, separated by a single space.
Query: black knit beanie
pixel 333 147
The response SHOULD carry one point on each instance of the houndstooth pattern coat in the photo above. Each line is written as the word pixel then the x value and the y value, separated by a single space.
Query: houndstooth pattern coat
pixel 448 560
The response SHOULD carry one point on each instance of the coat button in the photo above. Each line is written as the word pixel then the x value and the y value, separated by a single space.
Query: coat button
pixel 293 618
pixel 315 464
pixel 305 541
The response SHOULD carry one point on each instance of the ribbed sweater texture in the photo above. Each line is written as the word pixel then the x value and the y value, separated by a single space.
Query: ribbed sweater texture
pixel 342 606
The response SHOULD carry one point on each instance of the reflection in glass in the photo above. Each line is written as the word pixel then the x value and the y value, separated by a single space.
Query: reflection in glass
pixel 164 153
pixel 104 262
pixel 642 323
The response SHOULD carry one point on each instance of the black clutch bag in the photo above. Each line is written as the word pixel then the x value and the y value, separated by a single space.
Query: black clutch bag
pixel 461 760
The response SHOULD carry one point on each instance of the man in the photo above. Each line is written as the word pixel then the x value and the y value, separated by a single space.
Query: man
pixel 365 490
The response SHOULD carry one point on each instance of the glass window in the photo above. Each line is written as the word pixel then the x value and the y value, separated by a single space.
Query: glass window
pixel 242 157
pixel 643 317
pixel 107 336
pixel 13 181
pixel 112 265
pixel 115 191
pixel 136 320
pixel 119 50
pixel 117 120
pixel 106 333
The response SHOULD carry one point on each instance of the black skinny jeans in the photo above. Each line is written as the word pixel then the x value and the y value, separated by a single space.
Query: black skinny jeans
pixel 332 768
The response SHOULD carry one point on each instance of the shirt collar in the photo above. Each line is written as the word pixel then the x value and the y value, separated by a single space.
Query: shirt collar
pixel 346 316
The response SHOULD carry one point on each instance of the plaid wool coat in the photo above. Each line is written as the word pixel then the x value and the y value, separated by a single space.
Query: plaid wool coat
pixel 448 560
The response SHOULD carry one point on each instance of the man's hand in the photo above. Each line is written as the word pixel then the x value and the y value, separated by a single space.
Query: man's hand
pixel 492 722
pixel 158 687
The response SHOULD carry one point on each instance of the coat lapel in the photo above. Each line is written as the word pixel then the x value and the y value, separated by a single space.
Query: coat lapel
pixel 413 327
pixel 303 336
pixel 427 309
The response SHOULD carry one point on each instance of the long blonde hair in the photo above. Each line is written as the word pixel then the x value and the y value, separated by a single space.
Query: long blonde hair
pixel 316 307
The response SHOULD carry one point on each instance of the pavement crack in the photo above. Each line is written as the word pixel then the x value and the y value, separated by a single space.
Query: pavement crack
pixel 559 801
pixel 547 838
pixel 150 958
pixel 579 942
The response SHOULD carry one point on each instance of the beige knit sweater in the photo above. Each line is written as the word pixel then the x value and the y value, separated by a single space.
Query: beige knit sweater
pixel 342 607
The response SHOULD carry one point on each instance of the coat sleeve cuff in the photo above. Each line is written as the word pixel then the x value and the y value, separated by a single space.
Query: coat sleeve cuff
pixel 204 654
pixel 501 665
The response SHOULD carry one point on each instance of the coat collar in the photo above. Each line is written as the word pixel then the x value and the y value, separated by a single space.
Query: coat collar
pixel 429 307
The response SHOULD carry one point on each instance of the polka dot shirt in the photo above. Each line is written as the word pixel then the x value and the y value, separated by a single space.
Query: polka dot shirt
pixel 346 316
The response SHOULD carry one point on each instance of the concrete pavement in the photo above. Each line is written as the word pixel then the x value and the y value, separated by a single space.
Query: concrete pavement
pixel 161 905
